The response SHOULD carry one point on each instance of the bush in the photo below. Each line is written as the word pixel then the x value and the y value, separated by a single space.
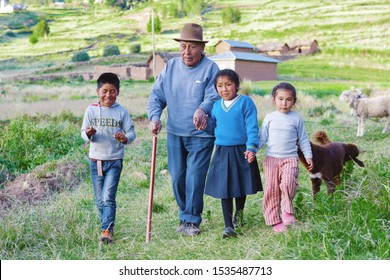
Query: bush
pixel 230 15
pixel 49 137
pixel 33 39
pixel 110 50
pixel 136 48
pixel 80 56
pixel 9 33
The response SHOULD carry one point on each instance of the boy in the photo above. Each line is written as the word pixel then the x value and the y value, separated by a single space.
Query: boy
pixel 108 127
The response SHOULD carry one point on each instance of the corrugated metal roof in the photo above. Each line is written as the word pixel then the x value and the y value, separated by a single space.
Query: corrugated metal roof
pixel 238 44
pixel 243 56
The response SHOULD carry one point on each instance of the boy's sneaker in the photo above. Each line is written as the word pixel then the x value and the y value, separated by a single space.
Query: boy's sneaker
pixel 228 232
pixel 191 229
pixel 288 219
pixel 106 236
pixel 181 227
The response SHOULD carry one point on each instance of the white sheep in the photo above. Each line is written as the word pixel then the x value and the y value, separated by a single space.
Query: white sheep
pixel 360 94
pixel 375 107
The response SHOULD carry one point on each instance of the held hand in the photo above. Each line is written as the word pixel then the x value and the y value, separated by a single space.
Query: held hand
pixel 155 127
pixel 310 164
pixel 121 137
pixel 200 119
pixel 250 156
pixel 201 125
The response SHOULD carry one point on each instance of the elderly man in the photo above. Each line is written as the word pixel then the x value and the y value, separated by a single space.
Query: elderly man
pixel 186 87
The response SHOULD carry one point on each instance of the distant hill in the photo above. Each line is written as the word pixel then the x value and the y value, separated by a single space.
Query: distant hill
pixel 351 34
pixel 346 25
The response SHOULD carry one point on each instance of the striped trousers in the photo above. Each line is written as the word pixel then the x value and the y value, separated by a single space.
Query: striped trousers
pixel 281 183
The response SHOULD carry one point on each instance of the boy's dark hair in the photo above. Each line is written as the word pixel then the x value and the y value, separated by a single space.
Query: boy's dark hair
pixel 108 78
pixel 233 76
pixel 285 86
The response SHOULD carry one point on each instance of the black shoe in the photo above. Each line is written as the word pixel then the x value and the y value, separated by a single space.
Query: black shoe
pixel 228 232
pixel 191 229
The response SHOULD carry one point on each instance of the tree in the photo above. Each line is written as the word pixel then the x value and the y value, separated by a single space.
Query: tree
pixel 157 24
pixel 193 7
pixel 173 10
pixel 230 15
pixel 40 30
pixel 122 4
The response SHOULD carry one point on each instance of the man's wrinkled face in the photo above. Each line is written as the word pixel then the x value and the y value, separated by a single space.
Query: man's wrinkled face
pixel 191 52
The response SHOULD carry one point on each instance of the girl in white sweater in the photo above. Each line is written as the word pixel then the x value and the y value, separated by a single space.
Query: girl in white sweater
pixel 281 131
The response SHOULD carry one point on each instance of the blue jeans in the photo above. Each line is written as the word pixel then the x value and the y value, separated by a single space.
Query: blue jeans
pixel 105 188
pixel 188 163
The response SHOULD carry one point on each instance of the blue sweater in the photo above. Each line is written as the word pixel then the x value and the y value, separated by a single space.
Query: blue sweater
pixel 236 124
pixel 183 90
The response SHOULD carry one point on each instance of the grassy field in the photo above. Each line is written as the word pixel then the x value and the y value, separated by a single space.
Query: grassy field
pixel 352 224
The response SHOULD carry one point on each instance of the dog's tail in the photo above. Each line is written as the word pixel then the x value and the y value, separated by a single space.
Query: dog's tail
pixel 320 137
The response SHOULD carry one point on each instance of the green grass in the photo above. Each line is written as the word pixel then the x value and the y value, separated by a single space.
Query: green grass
pixel 39 139
pixel 352 69
pixel 352 224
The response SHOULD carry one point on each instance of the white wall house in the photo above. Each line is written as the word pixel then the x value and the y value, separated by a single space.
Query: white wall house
pixel 5 8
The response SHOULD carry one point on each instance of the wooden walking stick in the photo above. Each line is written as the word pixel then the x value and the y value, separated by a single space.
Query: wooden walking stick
pixel 151 190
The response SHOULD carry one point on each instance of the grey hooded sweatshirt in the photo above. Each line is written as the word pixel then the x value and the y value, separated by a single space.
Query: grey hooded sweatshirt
pixel 107 121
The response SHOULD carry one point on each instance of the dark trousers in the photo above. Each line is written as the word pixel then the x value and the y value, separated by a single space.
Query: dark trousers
pixel 188 163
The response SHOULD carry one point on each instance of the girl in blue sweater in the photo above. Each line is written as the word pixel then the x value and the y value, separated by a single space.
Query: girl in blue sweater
pixel 233 172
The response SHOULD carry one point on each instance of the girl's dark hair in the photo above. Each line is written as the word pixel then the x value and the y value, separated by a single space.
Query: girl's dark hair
pixel 233 76
pixel 285 86
pixel 108 78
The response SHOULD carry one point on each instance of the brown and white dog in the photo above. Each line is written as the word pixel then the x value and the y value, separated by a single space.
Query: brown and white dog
pixel 329 159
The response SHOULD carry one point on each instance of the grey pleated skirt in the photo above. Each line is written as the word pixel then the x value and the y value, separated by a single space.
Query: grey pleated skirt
pixel 230 175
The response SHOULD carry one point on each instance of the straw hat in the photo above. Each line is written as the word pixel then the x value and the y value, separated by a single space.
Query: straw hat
pixel 191 32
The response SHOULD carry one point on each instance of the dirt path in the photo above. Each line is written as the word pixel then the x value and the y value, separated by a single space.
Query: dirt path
pixel 39 184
